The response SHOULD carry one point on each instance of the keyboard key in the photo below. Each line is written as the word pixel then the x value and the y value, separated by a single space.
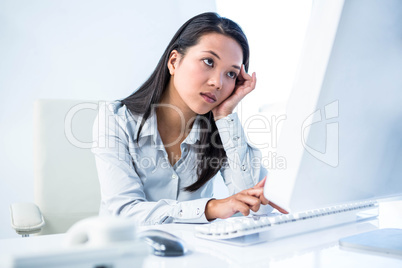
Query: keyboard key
pixel 265 221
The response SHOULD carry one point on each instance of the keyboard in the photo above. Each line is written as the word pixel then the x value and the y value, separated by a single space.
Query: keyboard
pixel 283 225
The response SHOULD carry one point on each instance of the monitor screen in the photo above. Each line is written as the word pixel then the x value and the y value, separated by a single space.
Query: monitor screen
pixel 342 139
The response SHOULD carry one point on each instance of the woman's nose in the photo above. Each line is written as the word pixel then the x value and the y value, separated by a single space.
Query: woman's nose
pixel 216 80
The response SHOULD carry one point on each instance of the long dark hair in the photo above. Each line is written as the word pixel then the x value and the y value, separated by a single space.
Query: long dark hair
pixel 143 100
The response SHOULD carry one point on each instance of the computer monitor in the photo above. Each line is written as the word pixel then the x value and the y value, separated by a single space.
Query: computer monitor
pixel 342 139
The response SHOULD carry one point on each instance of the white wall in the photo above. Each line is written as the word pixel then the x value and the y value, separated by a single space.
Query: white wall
pixel 71 49
pixel 275 30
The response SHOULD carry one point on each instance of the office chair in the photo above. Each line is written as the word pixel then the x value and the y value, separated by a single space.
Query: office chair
pixel 66 187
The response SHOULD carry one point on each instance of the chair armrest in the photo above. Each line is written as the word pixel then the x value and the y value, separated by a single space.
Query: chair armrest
pixel 26 218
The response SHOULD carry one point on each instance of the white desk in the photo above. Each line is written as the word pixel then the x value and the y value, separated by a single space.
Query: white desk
pixel 316 249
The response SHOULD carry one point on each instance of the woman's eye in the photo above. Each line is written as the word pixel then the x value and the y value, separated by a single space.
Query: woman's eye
pixel 209 62
pixel 232 75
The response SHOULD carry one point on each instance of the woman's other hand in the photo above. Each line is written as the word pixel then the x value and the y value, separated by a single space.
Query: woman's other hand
pixel 243 202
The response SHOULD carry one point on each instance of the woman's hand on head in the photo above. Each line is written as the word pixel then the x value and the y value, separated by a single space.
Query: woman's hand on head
pixel 244 201
pixel 245 84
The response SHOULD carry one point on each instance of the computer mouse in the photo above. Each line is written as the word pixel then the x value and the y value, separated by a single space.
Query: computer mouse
pixel 163 243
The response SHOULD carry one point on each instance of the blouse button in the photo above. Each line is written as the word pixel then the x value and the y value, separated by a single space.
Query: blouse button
pixel 243 167
pixel 235 138
pixel 198 211
pixel 174 176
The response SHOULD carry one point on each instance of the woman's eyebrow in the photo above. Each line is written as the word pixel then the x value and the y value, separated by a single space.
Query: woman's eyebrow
pixel 216 55
pixel 213 53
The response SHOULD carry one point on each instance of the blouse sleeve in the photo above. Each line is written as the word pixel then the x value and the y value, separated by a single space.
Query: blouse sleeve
pixel 243 168
pixel 122 191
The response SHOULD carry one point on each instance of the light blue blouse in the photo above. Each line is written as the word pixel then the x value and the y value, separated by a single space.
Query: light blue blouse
pixel 137 179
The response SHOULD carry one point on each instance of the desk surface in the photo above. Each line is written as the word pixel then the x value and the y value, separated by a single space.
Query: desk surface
pixel 315 249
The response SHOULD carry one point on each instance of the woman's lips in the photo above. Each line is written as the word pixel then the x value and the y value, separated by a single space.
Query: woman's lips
pixel 209 97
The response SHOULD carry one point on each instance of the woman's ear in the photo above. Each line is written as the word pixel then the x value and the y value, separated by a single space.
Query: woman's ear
pixel 173 61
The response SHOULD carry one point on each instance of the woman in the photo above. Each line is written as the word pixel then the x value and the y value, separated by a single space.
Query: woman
pixel 158 149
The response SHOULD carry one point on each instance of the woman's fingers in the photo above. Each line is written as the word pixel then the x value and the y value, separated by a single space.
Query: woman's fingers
pixel 277 207
pixel 261 183
pixel 253 198
pixel 260 186
pixel 239 206
pixel 250 82
pixel 245 82
pixel 243 202
pixel 225 208
pixel 251 201
pixel 259 193
pixel 241 78
pixel 265 201
pixel 244 74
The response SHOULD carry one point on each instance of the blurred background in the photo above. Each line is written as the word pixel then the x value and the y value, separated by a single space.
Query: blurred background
pixel 103 50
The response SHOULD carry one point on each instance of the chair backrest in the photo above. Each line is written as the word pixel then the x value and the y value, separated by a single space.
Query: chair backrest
pixel 66 186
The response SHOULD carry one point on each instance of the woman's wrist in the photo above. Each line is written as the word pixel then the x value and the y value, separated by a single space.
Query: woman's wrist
pixel 209 210
pixel 221 114
pixel 217 117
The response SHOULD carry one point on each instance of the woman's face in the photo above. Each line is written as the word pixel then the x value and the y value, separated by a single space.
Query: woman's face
pixel 206 75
